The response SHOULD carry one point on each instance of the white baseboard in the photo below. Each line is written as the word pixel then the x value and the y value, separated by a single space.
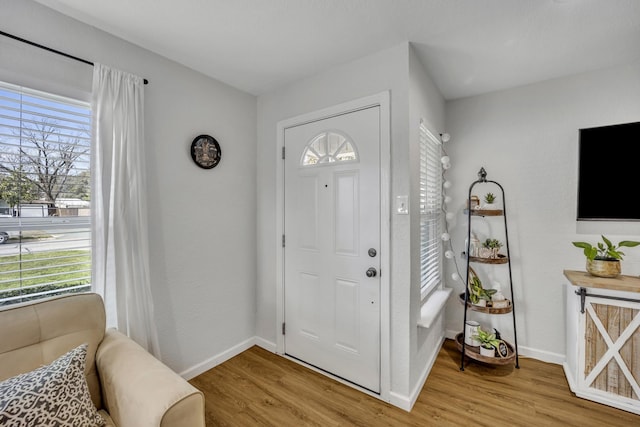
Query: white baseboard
pixel 400 401
pixel 545 356
pixel 407 402
pixel 542 355
pixel 267 345
pixel 219 358
pixel 415 393
pixel 448 333
pixel 569 375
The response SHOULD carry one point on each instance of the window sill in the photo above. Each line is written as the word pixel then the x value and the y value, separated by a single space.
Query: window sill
pixel 432 307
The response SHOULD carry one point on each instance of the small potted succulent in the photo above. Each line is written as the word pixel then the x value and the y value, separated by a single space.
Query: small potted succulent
pixel 492 247
pixel 603 259
pixel 489 343
pixel 489 200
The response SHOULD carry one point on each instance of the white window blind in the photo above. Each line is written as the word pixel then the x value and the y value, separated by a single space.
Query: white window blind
pixel 45 234
pixel 430 210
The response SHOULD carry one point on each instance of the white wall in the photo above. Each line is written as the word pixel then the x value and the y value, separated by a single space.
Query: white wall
pixel 527 139
pixel 386 70
pixel 426 103
pixel 202 222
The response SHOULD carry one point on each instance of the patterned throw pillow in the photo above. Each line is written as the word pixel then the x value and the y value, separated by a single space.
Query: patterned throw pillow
pixel 52 395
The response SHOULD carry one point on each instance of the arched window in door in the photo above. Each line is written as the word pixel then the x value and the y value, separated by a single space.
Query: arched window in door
pixel 329 147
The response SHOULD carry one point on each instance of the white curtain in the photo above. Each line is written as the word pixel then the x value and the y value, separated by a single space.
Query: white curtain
pixel 119 212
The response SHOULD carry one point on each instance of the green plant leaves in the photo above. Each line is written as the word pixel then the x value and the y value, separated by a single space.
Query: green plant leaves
pixel 583 245
pixel 591 253
pixel 489 339
pixel 492 243
pixel 610 251
pixel 629 243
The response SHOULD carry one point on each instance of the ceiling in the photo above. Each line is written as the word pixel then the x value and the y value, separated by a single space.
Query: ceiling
pixel 468 47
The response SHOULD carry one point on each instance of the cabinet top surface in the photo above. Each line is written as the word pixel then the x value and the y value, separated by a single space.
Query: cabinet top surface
pixel 620 283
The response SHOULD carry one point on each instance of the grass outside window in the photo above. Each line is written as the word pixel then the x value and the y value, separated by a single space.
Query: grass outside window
pixel 44 271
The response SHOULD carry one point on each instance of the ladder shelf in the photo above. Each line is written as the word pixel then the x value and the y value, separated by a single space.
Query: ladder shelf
pixel 509 351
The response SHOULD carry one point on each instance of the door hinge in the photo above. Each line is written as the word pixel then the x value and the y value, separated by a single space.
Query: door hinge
pixel 283 240
pixel 284 329
pixel 283 153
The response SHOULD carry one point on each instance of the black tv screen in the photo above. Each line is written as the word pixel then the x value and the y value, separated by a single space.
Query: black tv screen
pixel 609 173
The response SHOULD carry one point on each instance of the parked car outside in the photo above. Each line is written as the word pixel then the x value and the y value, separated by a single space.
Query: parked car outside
pixel 4 236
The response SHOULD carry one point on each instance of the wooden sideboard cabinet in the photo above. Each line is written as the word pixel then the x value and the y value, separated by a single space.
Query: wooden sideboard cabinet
pixel 603 339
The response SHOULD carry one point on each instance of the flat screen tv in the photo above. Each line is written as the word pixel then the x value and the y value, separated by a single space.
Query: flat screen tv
pixel 609 173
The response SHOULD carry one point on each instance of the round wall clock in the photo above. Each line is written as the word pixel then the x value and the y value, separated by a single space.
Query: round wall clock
pixel 205 151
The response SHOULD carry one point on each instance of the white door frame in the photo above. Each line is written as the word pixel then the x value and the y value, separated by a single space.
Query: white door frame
pixel 382 100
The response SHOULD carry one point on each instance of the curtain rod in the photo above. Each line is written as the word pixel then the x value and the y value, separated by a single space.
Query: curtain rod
pixel 29 42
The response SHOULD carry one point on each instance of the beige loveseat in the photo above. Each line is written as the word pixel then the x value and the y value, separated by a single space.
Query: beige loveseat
pixel 128 385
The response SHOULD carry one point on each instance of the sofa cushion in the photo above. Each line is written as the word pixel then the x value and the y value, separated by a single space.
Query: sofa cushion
pixel 108 422
pixel 37 332
pixel 52 395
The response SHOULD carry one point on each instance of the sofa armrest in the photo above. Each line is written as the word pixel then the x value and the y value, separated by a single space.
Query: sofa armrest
pixel 140 391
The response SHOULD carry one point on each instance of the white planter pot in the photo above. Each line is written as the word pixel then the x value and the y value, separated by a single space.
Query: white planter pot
pixel 484 253
pixel 487 352
pixel 500 304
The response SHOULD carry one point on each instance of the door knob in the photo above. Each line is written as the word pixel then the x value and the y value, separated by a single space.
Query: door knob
pixel 372 272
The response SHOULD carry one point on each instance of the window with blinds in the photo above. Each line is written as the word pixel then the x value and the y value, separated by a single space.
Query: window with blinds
pixel 45 234
pixel 430 210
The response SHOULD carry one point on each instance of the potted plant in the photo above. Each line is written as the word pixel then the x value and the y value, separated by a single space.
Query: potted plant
pixel 485 296
pixel 489 343
pixel 603 260
pixel 478 295
pixel 489 199
pixel 493 246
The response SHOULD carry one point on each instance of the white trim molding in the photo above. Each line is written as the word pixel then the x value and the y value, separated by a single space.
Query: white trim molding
pixel 381 100
pixel 219 358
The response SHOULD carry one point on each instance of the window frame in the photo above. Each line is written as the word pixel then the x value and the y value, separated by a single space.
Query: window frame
pixel 68 118
pixel 332 157
pixel 431 211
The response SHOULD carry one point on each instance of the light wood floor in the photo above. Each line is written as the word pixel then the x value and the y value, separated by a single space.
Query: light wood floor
pixel 258 388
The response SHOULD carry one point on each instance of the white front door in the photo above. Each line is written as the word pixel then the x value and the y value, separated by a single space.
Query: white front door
pixel 332 245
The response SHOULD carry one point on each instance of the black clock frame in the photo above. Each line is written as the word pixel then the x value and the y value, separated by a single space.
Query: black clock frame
pixel 206 152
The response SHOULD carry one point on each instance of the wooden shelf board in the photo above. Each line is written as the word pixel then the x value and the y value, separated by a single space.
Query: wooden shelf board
pixel 485 212
pixel 502 259
pixel 620 283
pixel 474 353
pixel 489 310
